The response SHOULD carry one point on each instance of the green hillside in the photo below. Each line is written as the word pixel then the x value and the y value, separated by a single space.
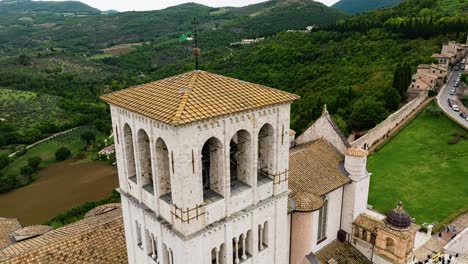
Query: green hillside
pixel 359 6
pixel 21 19
pixel 89 32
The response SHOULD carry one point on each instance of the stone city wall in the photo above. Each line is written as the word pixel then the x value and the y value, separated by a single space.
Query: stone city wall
pixel 383 129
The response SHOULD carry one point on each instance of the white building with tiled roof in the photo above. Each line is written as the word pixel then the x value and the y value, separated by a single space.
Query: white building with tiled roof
pixel 203 170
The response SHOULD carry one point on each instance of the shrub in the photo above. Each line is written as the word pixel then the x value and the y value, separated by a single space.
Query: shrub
pixel 4 161
pixel 62 153
pixel 35 162
pixel 432 93
pixel 433 110
pixel 7 183
pixel 21 152
pixel 464 100
pixel 27 171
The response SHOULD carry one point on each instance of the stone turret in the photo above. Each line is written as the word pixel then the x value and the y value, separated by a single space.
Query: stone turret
pixel 355 163
pixel 356 192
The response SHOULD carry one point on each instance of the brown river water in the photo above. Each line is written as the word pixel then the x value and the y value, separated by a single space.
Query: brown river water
pixel 59 187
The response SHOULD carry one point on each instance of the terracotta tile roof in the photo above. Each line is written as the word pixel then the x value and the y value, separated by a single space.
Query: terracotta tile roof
pixel 7 226
pixel 371 223
pixel 343 253
pixel 195 96
pixel 356 152
pixel 315 168
pixel 306 202
pixel 102 209
pixel 97 239
pixel 31 231
pixel 439 67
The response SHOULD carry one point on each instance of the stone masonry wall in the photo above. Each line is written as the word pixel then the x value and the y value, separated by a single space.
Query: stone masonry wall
pixel 383 129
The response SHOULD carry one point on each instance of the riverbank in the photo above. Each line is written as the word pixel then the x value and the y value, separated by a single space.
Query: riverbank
pixel 58 188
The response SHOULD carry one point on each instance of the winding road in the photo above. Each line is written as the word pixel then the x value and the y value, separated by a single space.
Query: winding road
pixel 444 95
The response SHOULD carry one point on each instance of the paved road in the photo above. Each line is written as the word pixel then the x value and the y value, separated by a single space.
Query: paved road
pixel 444 95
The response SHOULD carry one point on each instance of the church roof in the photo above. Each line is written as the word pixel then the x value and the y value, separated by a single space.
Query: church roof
pixel 315 169
pixel 341 252
pixel 98 239
pixel 194 96
pixel 7 226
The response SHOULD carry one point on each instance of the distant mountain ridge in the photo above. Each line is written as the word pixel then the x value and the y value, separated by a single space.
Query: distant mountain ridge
pixel 359 6
pixel 94 30
pixel 46 6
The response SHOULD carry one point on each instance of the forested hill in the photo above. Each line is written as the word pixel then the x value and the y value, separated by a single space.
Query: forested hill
pixel 70 7
pixel 20 20
pixel 258 20
pixel 359 6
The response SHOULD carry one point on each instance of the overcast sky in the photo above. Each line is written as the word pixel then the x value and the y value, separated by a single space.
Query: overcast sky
pixel 139 5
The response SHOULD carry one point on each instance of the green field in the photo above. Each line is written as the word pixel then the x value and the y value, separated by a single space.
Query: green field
pixel 420 168
pixel 47 150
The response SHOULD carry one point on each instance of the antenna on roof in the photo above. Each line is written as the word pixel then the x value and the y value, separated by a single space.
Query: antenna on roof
pixel 196 50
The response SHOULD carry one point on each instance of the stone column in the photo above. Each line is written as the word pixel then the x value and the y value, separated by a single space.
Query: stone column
pixel 244 256
pixel 153 255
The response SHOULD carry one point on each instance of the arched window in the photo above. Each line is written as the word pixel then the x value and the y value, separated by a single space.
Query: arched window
pixel 212 168
pixel 240 161
pixel 129 153
pixel 144 155
pixel 265 151
pixel 390 245
pixel 162 168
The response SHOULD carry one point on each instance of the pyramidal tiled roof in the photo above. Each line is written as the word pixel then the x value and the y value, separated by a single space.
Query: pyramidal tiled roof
pixel 195 96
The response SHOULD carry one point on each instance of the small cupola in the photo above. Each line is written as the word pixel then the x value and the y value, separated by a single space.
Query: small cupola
pixel 398 218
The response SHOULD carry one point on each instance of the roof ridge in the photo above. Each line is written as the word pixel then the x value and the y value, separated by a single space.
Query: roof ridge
pixel 183 101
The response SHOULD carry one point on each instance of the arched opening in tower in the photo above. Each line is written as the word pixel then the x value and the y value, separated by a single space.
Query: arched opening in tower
pixel 240 161
pixel 265 152
pixel 212 168
pixel 144 156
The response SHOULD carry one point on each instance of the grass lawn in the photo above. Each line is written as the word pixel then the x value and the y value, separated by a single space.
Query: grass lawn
pixel 420 168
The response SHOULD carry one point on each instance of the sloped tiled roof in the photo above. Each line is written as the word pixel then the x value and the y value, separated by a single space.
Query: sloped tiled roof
pixel 306 202
pixel 7 226
pixel 439 67
pixel 315 168
pixel 342 253
pixel 31 231
pixel 195 96
pixel 98 239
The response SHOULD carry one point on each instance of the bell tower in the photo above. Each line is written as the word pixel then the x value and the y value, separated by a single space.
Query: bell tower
pixel 203 170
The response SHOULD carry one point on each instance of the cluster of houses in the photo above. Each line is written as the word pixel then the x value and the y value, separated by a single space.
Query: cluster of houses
pixel 433 76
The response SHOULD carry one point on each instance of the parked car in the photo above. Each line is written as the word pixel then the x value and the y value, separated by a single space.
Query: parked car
pixel 456 84
pixel 455 108
pixel 450 102
pixel 463 115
